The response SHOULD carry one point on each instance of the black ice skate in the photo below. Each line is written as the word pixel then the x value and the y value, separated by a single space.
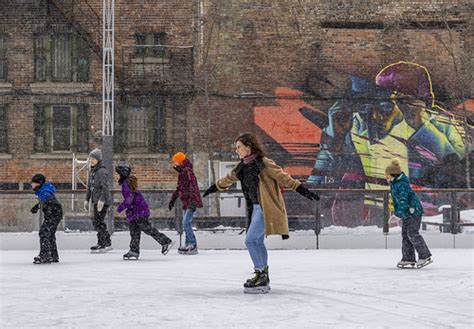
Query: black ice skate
pixel 166 247
pixel 406 264
pixel 41 260
pixel 188 250
pixel 258 284
pixel 265 270
pixel 131 255
pixel 424 262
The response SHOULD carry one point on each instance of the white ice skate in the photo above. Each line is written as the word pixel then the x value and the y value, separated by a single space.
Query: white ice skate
pixel 131 255
pixel 188 250
pixel 423 262
pixel 406 264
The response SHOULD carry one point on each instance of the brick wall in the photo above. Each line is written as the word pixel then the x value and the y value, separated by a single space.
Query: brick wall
pixel 242 51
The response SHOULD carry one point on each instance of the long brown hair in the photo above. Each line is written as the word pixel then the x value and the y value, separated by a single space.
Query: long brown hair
pixel 132 182
pixel 253 142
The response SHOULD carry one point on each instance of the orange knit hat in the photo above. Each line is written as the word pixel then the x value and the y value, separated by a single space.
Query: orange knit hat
pixel 179 157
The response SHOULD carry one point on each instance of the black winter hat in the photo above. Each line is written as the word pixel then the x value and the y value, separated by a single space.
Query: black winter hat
pixel 123 170
pixel 39 179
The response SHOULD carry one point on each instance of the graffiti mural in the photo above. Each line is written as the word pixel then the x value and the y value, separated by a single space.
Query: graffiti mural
pixel 351 142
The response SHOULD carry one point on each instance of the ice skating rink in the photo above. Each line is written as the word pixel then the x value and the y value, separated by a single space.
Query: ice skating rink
pixel 310 289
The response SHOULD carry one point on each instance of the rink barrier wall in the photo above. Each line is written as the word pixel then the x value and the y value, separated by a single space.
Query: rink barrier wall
pixel 303 215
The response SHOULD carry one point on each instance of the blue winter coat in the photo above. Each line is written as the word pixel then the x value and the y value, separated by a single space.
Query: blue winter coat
pixel 406 203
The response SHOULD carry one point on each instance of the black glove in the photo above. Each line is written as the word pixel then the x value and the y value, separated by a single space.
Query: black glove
pixel 285 237
pixel 192 207
pixel 211 189
pixel 35 209
pixel 171 205
pixel 307 193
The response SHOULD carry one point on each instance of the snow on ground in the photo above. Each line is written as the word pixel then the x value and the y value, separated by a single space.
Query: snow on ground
pixel 310 289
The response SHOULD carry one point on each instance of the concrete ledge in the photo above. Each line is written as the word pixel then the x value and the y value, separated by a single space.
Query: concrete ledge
pixel 5 156
pixel 54 156
pixel 5 87
pixel 124 156
pixel 60 87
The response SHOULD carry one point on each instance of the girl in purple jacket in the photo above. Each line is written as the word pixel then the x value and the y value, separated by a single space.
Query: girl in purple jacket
pixel 188 192
pixel 137 214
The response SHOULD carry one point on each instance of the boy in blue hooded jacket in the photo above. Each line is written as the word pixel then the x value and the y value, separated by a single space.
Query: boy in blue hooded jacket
pixel 409 210
pixel 53 214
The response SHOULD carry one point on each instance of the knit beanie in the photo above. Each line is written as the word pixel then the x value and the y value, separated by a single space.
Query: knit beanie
pixel 38 179
pixel 394 168
pixel 179 157
pixel 96 154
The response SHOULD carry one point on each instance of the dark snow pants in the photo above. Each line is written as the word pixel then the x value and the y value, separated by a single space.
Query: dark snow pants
pixel 412 240
pixel 143 224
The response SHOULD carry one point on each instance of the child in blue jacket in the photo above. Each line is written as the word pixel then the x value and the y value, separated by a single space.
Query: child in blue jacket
pixel 53 214
pixel 409 210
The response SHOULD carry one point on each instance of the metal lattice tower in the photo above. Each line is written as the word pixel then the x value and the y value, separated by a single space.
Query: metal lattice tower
pixel 108 82
pixel 108 88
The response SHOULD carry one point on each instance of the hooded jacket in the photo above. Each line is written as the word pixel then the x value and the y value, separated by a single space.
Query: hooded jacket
pixel 188 189
pixel 98 185
pixel 405 202
pixel 134 203
pixel 51 207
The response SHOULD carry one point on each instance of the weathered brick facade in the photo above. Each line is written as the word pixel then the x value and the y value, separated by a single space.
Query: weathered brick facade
pixel 241 52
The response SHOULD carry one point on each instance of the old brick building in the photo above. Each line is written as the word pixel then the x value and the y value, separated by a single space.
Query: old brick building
pixel 191 75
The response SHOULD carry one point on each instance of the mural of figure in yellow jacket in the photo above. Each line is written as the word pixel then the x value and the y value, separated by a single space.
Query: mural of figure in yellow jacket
pixel 395 117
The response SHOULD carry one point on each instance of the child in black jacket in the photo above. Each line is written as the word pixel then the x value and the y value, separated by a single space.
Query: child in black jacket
pixel 53 214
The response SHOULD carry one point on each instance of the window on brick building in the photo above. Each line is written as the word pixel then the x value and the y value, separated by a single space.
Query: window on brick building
pixel 61 128
pixel 3 57
pixel 3 129
pixel 148 44
pixel 140 128
pixel 61 57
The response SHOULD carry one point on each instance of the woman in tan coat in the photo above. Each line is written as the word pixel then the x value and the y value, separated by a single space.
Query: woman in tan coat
pixel 261 179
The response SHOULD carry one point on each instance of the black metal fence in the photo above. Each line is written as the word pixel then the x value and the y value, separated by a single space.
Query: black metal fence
pixel 447 209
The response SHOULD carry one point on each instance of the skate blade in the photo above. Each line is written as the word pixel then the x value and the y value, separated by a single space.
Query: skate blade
pixel 130 258
pixel 407 266
pixel 101 251
pixel 257 290
pixel 423 265
pixel 169 248
pixel 188 252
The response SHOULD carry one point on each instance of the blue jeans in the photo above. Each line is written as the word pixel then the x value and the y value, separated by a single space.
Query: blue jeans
pixel 255 239
pixel 187 227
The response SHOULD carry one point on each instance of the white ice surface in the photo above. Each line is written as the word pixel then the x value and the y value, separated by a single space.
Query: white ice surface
pixel 310 289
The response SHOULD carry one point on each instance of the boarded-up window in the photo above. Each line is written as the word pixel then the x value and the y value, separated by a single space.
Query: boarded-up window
pixel 140 128
pixel 157 126
pixel 3 129
pixel 61 128
pixel 150 44
pixel 3 57
pixel 61 57
pixel 62 132
pixel 137 127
